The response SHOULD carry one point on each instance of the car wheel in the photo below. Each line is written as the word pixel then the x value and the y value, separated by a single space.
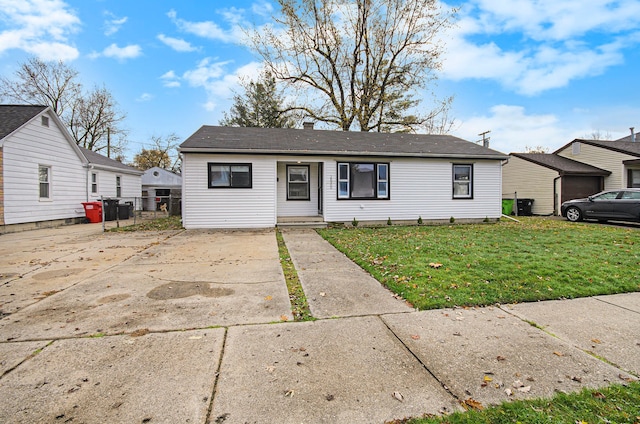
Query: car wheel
pixel 574 214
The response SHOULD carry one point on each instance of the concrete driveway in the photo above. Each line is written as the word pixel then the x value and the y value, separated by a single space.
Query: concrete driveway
pixel 194 327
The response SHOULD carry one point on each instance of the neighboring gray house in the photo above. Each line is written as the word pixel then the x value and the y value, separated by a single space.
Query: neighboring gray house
pixel 576 170
pixel 45 176
pixel 258 177
pixel 160 186
pixel 549 180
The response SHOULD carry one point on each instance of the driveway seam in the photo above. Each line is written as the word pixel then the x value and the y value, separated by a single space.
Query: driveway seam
pixel 417 358
pixel 217 376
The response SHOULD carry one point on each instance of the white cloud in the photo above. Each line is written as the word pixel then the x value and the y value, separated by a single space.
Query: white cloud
pixel 553 43
pixel 262 8
pixel 217 83
pixel 210 29
pixel 145 97
pixel 176 44
pixel 39 27
pixel 113 24
pixel 170 79
pixel 121 53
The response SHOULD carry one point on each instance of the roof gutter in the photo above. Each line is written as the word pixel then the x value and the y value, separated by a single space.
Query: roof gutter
pixel 342 153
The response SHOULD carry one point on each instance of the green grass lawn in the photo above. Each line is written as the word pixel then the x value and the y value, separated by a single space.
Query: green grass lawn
pixel 614 404
pixel 484 264
pixel 158 224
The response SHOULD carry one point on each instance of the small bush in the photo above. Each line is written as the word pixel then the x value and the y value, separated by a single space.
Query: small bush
pixel 419 220
pixel 389 221
pixel 354 222
pixel 452 220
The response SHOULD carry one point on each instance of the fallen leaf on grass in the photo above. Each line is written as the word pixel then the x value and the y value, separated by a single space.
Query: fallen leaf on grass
pixel 487 379
pixel 284 318
pixel 598 395
pixel 435 265
pixel 472 404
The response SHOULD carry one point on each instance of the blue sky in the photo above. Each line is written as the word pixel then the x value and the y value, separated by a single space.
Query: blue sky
pixel 534 72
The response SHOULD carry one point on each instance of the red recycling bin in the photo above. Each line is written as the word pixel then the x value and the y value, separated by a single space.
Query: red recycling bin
pixel 93 211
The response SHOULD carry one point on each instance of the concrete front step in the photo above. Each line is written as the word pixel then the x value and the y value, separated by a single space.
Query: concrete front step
pixel 301 222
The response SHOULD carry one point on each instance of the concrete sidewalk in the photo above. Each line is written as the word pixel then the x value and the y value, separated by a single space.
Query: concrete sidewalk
pixel 195 326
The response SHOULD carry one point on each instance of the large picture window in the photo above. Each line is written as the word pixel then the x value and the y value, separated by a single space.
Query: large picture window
pixel 462 181
pixel 363 180
pixel 229 175
pixel 298 182
pixel 44 177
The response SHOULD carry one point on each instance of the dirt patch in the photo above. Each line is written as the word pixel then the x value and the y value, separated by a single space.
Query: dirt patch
pixel 56 273
pixel 178 290
pixel 113 298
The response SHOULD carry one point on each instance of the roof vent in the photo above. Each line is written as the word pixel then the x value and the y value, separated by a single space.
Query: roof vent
pixel 308 125
pixel 633 135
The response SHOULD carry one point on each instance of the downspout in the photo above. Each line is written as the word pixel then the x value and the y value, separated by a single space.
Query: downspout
pixel 556 203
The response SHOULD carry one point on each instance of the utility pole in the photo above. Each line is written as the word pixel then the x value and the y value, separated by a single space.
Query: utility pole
pixel 485 139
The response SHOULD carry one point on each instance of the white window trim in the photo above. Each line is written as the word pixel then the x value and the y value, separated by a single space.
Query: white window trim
pixel 307 183
pixel 347 180
pixel 94 183
pixel 469 181
pixel 118 186
pixel 48 182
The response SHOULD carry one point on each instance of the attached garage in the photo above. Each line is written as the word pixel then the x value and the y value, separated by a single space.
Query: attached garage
pixel 549 180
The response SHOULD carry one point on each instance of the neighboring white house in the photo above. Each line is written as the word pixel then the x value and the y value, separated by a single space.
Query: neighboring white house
pixel 257 177
pixel 158 187
pixel 45 176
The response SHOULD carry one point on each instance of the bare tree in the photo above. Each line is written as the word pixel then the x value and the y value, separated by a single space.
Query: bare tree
pixel 536 149
pixel 92 117
pixel 162 154
pixel 44 83
pixel 598 135
pixel 94 122
pixel 365 60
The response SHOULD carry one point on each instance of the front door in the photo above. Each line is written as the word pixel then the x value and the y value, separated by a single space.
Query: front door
pixel 320 205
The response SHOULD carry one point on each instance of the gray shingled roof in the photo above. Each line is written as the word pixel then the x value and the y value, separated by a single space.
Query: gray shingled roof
pixel 563 165
pixel 13 117
pixel 213 139
pixel 100 160
pixel 628 138
pixel 620 146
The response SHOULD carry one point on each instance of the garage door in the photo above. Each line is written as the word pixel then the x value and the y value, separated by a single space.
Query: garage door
pixel 579 187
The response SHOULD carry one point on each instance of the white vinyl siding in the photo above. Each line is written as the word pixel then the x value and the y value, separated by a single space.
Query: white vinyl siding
pixel 418 187
pixel 204 207
pixel 604 159
pixel 23 152
pixel 530 181
pixel 130 185
pixel 297 207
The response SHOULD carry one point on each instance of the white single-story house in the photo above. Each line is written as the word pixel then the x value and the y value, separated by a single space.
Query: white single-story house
pixel 159 186
pixel 576 170
pixel 45 176
pixel 259 177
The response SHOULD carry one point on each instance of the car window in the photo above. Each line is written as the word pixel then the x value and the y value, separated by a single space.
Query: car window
pixel 631 195
pixel 606 196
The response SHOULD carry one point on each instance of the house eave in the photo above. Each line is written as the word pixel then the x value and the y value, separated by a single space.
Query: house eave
pixel 114 169
pixel 341 153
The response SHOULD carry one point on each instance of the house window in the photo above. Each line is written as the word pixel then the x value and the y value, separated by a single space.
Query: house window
pixel 462 181
pixel 118 186
pixel 44 121
pixel 298 182
pixel 633 178
pixel 44 177
pixel 363 180
pixel 94 183
pixel 230 175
